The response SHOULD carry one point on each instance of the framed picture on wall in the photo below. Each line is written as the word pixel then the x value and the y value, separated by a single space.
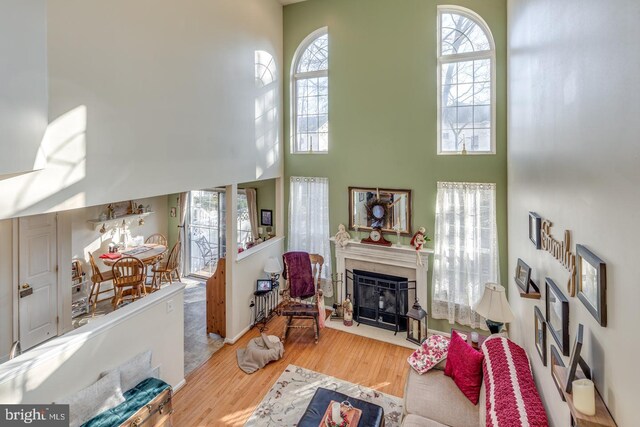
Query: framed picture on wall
pixel 557 308
pixel 576 359
pixel 266 217
pixel 556 360
pixel 535 224
pixel 523 275
pixel 592 283
pixel 540 331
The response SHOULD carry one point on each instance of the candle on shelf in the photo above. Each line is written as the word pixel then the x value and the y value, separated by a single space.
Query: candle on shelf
pixel 335 413
pixel 378 193
pixel 584 396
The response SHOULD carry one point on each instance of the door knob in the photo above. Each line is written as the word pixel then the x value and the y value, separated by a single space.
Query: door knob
pixel 25 286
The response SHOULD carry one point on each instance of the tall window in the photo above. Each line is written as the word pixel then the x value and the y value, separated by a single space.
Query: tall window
pixel 466 77
pixel 466 250
pixel 309 218
pixel 310 95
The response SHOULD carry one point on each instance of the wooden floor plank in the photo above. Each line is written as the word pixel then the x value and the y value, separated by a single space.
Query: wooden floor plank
pixel 220 394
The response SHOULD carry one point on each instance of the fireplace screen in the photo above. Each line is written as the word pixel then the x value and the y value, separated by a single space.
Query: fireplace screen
pixel 381 300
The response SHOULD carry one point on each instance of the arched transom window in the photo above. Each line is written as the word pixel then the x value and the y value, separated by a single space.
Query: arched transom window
pixel 466 77
pixel 310 95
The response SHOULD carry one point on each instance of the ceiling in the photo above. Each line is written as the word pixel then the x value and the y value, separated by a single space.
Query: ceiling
pixel 286 2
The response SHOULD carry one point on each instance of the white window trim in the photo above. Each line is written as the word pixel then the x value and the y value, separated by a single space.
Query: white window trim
pixel 489 54
pixel 293 102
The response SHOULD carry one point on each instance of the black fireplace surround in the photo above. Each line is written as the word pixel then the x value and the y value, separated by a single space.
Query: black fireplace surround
pixel 381 300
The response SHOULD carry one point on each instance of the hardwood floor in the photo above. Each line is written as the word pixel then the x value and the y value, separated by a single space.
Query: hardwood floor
pixel 220 394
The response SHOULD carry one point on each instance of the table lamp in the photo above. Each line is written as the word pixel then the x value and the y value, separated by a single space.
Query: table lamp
pixel 493 306
pixel 273 269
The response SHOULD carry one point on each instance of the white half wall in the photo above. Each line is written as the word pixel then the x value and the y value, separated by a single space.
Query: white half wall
pixel 573 158
pixel 247 269
pixel 75 360
pixel 154 97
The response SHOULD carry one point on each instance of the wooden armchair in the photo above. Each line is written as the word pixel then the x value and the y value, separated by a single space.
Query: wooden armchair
pixel 297 309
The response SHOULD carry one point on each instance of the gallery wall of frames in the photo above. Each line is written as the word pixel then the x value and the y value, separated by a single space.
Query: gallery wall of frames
pixel 586 282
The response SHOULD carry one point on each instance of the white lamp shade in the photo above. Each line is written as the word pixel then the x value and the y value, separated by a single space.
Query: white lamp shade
pixel 493 305
pixel 273 266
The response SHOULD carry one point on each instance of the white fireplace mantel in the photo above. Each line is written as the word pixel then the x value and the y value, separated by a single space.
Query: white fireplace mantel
pixel 398 256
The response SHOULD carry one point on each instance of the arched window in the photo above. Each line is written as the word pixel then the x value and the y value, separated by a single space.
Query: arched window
pixel 466 80
pixel 310 95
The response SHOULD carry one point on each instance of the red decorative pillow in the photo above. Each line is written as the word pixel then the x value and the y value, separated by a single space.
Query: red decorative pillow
pixel 464 366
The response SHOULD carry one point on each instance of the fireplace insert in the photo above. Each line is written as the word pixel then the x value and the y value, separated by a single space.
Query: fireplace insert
pixel 381 300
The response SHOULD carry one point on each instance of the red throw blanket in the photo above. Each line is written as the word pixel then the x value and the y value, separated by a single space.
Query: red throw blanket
pixel 512 397
pixel 298 272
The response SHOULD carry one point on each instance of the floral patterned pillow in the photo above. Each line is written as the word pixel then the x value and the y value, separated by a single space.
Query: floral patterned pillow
pixel 432 351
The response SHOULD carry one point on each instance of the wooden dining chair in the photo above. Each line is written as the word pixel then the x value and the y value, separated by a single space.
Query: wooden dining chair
pixel 157 239
pixel 164 271
pixel 129 275
pixel 97 278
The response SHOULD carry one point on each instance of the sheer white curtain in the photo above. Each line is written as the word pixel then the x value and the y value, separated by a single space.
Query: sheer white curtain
pixel 309 218
pixel 252 205
pixel 183 201
pixel 466 250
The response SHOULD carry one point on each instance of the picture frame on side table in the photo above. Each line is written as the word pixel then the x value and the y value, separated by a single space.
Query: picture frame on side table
pixel 266 217
pixel 556 360
pixel 535 225
pixel 557 315
pixel 592 283
pixel 523 275
pixel 540 330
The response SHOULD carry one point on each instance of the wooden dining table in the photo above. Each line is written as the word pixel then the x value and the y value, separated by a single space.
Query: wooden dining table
pixel 147 253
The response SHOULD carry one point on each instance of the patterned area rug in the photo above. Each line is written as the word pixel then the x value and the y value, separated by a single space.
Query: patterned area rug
pixel 287 400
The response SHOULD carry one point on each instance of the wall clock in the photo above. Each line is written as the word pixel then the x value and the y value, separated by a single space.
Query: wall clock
pixel 376 238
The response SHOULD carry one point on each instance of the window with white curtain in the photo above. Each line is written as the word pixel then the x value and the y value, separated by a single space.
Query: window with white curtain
pixel 309 218
pixel 466 250
pixel 466 78
pixel 310 95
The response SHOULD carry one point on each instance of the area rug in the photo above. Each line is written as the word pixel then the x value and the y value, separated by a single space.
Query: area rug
pixel 287 400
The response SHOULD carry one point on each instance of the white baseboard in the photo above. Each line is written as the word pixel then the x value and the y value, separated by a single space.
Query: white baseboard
pixel 180 385
pixel 237 337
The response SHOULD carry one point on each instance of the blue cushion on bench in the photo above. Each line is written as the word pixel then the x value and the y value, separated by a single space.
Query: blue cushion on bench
pixel 135 399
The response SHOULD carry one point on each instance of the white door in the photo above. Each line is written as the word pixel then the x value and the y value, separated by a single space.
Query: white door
pixel 38 282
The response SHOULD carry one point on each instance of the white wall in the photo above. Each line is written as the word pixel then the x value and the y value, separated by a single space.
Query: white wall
pixel 75 360
pixel 153 97
pixel 573 158
pixel 23 92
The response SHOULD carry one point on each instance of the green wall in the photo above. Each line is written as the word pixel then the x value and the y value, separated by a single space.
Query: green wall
pixel 382 106
pixel 265 197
